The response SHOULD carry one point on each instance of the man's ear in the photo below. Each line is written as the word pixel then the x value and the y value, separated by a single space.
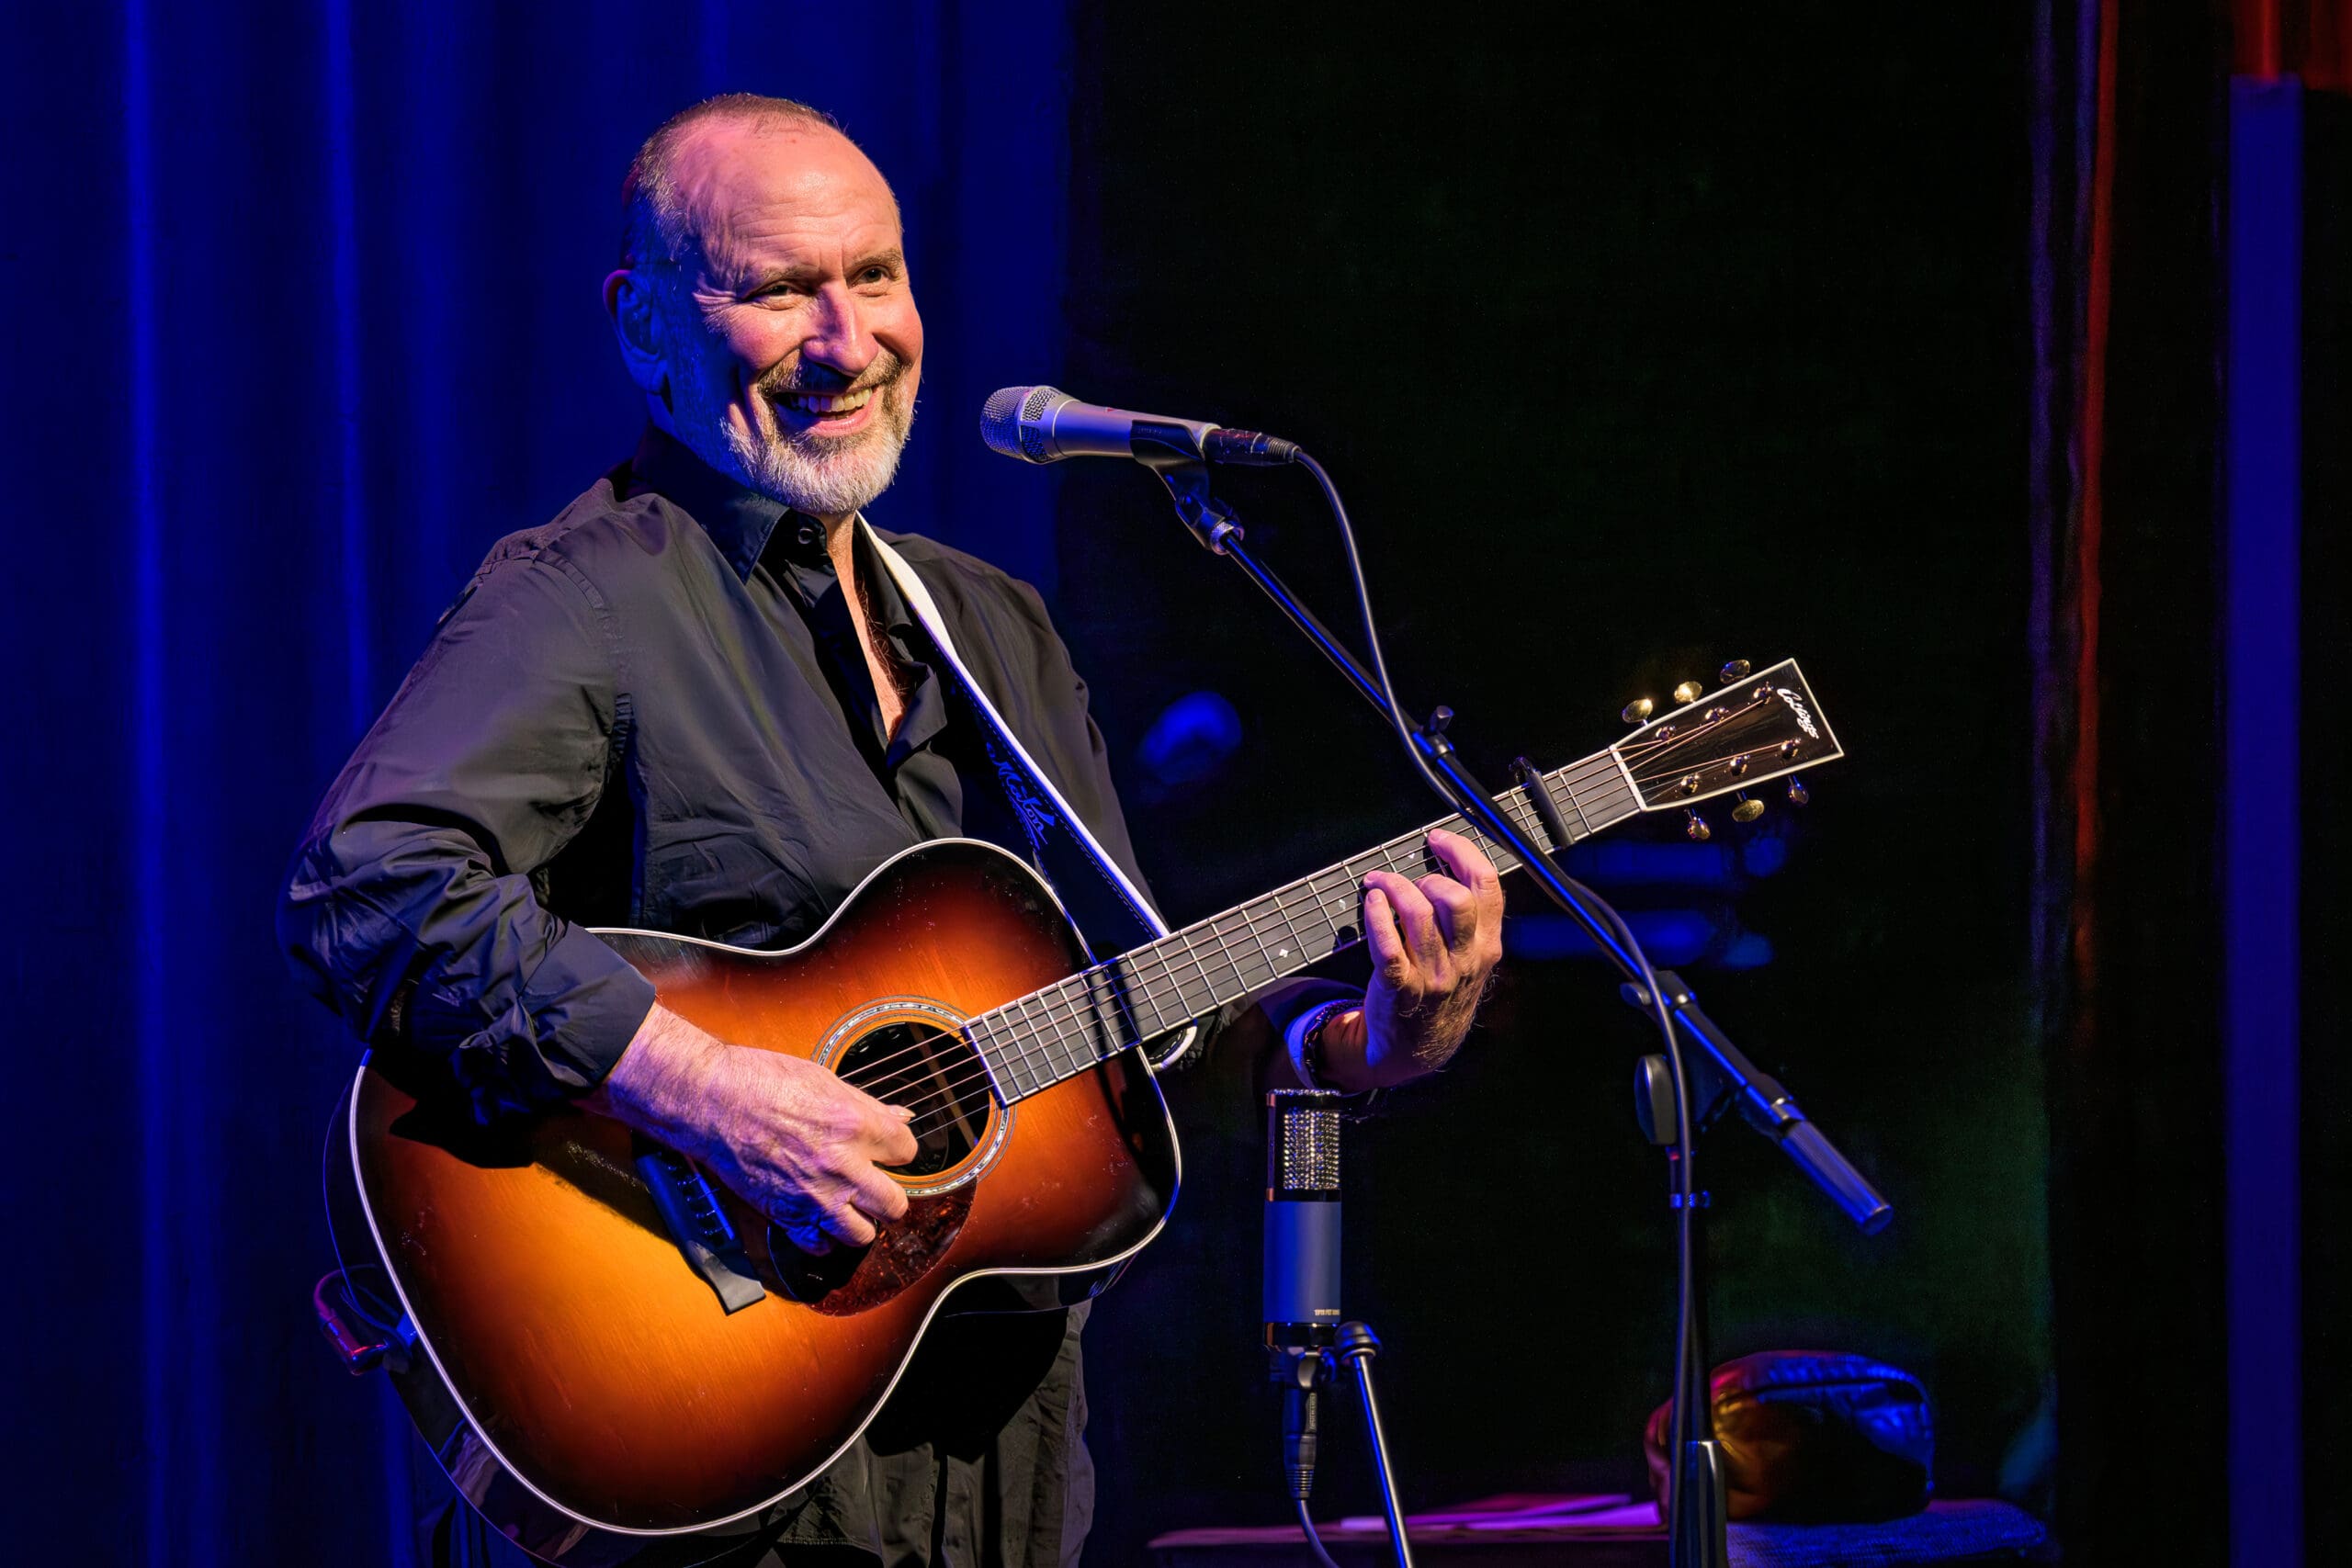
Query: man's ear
pixel 637 326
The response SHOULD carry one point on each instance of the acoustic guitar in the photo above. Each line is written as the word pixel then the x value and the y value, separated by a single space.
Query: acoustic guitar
pixel 602 1346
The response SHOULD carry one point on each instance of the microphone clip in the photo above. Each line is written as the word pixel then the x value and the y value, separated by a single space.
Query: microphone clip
pixel 1209 520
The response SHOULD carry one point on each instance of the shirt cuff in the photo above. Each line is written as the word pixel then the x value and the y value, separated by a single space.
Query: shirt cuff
pixel 563 1032
pixel 1295 1036
pixel 1290 1004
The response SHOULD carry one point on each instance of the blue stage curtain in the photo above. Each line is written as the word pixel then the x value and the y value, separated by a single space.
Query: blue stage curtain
pixel 304 315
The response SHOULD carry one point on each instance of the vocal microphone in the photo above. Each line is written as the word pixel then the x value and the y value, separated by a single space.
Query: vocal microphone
pixel 1045 424
pixel 1302 1262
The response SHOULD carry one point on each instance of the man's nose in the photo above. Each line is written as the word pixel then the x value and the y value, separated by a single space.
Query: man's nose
pixel 838 338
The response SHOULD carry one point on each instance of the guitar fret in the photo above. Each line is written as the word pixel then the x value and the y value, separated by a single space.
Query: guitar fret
pixel 1106 1008
pixel 1258 950
pixel 1016 1080
pixel 1291 948
pixel 1193 951
pixel 1331 902
pixel 1206 944
pixel 1049 1033
pixel 1574 805
pixel 976 1030
pixel 1231 953
pixel 1032 1046
pixel 1078 1038
pixel 1172 1001
pixel 1085 1019
pixel 1157 990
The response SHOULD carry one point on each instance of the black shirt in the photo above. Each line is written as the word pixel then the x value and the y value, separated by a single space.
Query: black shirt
pixel 650 712
pixel 654 712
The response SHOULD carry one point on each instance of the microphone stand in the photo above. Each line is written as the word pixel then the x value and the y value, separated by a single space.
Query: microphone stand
pixel 1301 1296
pixel 1697 1511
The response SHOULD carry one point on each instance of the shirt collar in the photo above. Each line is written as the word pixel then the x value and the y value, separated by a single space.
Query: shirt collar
pixel 738 520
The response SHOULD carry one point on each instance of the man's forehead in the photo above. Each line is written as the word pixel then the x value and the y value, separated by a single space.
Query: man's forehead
pixel 738 180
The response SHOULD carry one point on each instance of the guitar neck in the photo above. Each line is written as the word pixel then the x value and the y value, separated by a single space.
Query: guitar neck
pixel 1036 1040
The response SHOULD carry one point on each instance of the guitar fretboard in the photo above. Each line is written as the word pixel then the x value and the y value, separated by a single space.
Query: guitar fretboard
pixel 1036 1040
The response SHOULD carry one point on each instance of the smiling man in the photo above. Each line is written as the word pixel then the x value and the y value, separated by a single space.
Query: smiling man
pixel 696 702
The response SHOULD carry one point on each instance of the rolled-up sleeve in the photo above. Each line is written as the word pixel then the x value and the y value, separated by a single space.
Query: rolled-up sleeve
pixel 408 908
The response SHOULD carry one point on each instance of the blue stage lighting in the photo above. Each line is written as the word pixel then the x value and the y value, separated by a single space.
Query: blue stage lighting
pixel 1191 741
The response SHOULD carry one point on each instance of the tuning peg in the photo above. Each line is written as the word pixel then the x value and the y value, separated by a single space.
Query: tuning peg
pixel 1736 671
pixel 1694 826
pixel 1748 810
pixel 1798 793
pixel 1638 711
pixel 1689 692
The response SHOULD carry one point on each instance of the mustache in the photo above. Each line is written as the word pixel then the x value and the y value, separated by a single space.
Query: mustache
pixel 886 370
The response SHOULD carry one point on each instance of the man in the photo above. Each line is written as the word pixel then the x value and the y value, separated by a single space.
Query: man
pixel 695 702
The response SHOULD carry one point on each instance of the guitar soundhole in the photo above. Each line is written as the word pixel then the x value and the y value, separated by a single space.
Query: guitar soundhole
pixel 932 1073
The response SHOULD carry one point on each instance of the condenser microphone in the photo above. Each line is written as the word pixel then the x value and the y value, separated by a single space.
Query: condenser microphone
pixel 1302 1259
pixel 1045 424
pixel 1302 1263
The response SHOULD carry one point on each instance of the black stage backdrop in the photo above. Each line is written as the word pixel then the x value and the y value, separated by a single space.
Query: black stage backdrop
pixel 1637 345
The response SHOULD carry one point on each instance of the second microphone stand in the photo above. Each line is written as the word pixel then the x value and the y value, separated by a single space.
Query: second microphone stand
pixel 1697 1508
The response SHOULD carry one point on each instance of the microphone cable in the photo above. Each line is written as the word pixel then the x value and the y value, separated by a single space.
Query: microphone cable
pixel 1371 630
pixel 1686 1197
pixel 1314 1538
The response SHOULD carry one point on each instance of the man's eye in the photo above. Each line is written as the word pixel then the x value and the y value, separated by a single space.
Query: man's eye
pixel 875 275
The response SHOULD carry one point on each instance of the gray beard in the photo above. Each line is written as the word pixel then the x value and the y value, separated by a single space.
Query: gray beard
pixel 820 477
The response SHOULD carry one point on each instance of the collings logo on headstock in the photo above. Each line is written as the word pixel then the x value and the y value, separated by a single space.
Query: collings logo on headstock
pixel 1796 706
pixel 1727 746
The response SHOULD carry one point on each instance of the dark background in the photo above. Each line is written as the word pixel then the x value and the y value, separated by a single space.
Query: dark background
pixel 1638 341
pixel 1630 355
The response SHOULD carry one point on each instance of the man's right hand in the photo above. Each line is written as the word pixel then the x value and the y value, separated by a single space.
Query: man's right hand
pixel 803 1147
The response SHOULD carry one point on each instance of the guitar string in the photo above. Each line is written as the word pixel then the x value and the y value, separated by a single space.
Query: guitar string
pixel 1078 1015
pixel 959 1089
pixel 1644 750
pixel 1069 1030
pixel 1072 1027
pixel 1746 704
pixel 1156 992
pixel 953 1083
pixel 952 1080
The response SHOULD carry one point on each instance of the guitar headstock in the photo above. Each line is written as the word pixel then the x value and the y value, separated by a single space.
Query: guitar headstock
pixel 1752 729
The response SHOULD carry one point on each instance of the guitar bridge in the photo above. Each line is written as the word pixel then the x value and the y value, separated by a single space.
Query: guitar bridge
pixel 700 1226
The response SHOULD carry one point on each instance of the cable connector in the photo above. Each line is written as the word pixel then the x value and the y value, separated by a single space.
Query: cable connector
pixel 1299 1371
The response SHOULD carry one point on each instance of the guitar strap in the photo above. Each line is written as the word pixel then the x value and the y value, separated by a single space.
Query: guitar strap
pixel 1041 806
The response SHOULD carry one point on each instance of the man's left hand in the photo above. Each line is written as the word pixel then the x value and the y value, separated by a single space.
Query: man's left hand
pixel 1435 942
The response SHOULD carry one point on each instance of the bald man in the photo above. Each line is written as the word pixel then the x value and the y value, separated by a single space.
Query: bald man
pixel 695 702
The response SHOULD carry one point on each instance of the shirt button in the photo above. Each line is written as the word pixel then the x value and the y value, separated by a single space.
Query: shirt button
pixel 811 535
